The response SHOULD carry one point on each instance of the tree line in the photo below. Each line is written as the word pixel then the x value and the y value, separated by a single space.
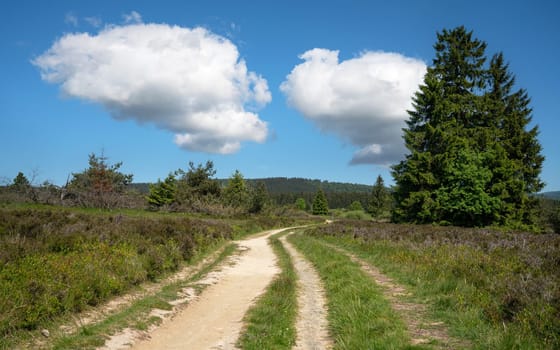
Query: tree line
pixel 473 158
pixel 103 185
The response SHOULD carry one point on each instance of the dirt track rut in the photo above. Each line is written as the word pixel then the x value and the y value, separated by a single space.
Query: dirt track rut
pixel 311 325
pixel 214 319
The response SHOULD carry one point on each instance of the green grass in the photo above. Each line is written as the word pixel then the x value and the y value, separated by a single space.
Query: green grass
pixel 55 261
pixel 450 298
pixel 497 290
pixel 270 322
pixel 359 316
pixel 135 316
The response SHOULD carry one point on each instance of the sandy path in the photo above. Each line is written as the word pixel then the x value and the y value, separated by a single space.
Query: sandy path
pixel 214 320
pixel 311 324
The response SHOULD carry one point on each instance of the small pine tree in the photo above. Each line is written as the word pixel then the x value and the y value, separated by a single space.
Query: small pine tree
pixel 259 198
pixel 197 186
pixel 379 197
pixel 20 183
pixel 163 193
pixel 100 185
pixel 320 204
pixel 236 193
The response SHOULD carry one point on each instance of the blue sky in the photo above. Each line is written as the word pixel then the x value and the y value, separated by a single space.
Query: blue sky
pixel 275 88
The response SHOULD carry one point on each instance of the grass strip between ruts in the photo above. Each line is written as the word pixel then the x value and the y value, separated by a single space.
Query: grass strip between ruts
pixel 436 275
pixel 270 323
pixel 359 316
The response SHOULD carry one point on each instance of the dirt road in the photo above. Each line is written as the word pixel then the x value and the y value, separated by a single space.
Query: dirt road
pixel 214 320
pixel 312 324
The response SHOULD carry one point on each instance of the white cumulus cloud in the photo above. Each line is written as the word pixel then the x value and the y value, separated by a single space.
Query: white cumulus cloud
pixel 188 81
pixel 363 100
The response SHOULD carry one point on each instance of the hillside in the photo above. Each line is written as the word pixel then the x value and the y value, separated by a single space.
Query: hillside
pixel 300 185
pixel 285 191
pixel 276 185
pixel 550 195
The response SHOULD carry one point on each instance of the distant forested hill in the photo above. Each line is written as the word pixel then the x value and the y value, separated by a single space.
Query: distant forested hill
pixel 550 195
pixel 141 187
pixel 285 191
pixel 287 185
pixel 300 185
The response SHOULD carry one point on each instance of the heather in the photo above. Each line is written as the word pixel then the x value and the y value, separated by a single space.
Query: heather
pixel 55 261
pixel 500 289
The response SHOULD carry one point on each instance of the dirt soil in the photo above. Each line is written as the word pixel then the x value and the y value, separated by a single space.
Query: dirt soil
pixel 312 324
pixel 214 319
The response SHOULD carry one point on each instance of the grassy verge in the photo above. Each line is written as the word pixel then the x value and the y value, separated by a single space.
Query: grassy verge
pixel 498 290
pixel 134 316
pixel 359 316
pixel 270 322
pixel 55 261
pixel 137 315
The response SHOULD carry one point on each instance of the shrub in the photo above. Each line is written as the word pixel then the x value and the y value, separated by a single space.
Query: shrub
pixel 39 286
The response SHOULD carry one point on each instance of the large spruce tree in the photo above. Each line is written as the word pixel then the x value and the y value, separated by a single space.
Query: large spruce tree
pixel 519 177
pixel 471 161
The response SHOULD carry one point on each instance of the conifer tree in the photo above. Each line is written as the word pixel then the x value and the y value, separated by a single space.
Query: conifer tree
pixel 100 185
pixel 197 184
pixel 320 204
pixel 20 184
pixel 471 160
pixel 163 193
pixel 259 198
pixel 236 193
pixel 516 179
pixel 378 197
